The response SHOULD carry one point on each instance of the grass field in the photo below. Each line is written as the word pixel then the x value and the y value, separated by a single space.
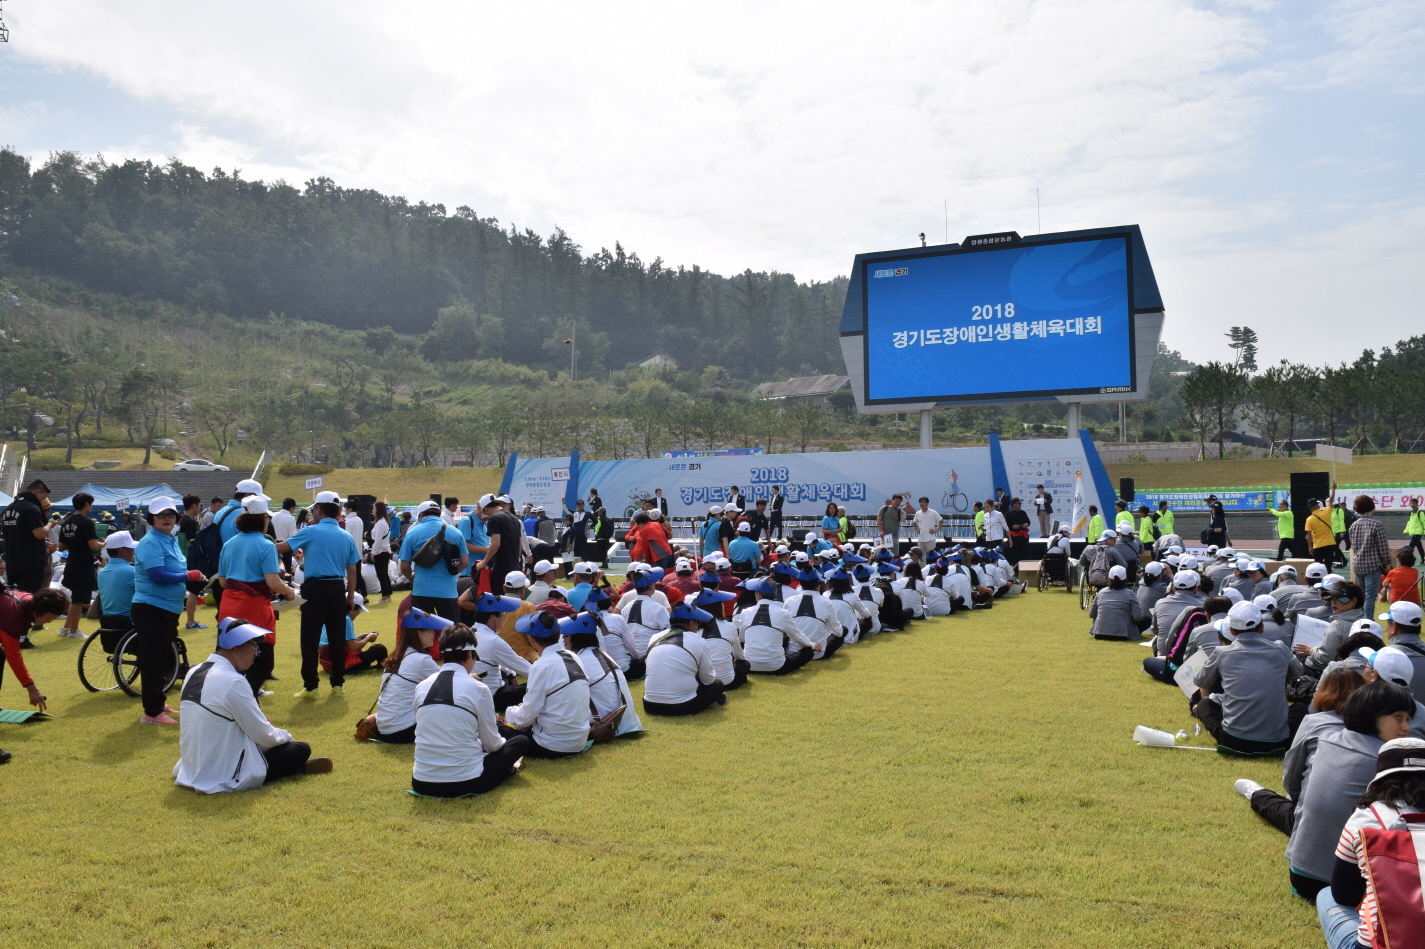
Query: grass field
pixel 1232 472
pixel 399 485
pixel 968 783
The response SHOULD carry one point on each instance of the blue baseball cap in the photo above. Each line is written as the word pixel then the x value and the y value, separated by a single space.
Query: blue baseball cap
pixel 574 625
pixel 657 573
pixel 707 597
pixel 785 569
pixel 233 632
pixel 490 603
pixel 685 612
pixel 420 619
pixel 538 623
pixel 759 585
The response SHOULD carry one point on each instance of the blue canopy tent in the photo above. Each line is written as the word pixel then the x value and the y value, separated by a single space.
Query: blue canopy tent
pixel 115 499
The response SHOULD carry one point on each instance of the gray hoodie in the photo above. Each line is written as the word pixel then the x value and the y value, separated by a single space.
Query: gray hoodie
pixel 1409 644
pixel 1150 593
pixel 1344 764
pixel 1251 673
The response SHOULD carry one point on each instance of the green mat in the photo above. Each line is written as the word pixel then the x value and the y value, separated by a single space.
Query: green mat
pixel 11 716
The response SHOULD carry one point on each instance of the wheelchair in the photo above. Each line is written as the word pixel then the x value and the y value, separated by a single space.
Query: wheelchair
pixel 112 655
pixel 1055 571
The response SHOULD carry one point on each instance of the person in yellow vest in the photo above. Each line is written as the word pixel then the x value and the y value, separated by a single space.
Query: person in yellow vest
pixel 1146 526
pixel 1095 528
pixel 1286 528
pixel 979 522
pixel 1323 538
pixel 1122 517
pixel 1415 528
pixel 1163 519
pixel 1340 524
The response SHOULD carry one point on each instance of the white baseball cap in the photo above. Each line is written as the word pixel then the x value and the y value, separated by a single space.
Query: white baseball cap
pixel 584 569
pixel 810 538
pixel 1366 626
pixel 744 528
pixel 1108 535
pixel 426 505
pixel 514 580
pixel 1153 569
pixel 1117 572
pixel 505 499
pixel 359 602
pixel 543 567
pixel 486 500
pixel 327 497
pixel 710 558
pixel 1186 579
pixel 1390 663
pixel 715 509
pixel 249 486
pixel 683 563
pixel 1234 595
pixel 160 504
pixel 784 549
pixel 654 514
pixel 723 563
pixel 1244 616
pixel 1256 565
pixel 1126 529
pixel 1402 613
pixel 1315 571
pixel 1264 603
pixel 1227 553
pixel 255 505
pixel 119 539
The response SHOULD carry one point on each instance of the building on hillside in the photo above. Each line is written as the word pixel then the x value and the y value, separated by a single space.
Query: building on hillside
pixel 816 389
pixel 660 359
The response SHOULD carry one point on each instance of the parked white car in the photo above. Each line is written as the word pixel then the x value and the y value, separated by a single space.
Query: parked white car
pixel 198 464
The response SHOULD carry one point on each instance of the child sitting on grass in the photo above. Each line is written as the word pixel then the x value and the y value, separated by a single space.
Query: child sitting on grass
pixel 1402 583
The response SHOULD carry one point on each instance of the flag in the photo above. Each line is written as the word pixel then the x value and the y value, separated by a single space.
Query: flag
pixel 1080 518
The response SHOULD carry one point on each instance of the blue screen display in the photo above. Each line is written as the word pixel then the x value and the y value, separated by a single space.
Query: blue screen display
pixel 1012 322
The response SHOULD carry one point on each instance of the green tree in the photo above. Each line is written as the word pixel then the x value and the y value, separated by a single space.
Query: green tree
pixel 460 333
pixel 806 420
pixel 141 396
pixel 505 427
pixel 220 418
pixel 1214 395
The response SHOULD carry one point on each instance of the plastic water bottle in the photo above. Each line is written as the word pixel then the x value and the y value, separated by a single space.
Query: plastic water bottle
pixel 1181 736
pixel 1197 729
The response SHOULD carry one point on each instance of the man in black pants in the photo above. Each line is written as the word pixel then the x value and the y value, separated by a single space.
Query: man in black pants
pixel 81 543
pixel 506 542
pixel 25 526
pixel 774 524
pixel 329 563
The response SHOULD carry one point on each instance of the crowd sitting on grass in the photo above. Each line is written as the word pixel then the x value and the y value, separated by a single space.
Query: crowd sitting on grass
pixel 494 661
pixel 1295 666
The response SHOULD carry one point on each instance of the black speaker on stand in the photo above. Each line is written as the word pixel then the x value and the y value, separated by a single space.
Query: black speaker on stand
pixel 1307 486
pixel 1126 491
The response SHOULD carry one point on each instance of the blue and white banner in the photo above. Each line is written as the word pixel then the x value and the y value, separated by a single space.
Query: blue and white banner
pixel 861 481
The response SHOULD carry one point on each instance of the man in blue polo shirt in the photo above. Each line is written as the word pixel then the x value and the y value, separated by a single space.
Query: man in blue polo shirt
pixel 329 564
pixel 116 583
pixel 433 587
pixel 477 539
pixel 743 551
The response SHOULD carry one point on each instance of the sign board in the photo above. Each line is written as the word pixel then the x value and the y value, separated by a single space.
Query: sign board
pixel 120 504
pixel 559 474
pixel 1339 456
pixel 1187 672
pixel 312 484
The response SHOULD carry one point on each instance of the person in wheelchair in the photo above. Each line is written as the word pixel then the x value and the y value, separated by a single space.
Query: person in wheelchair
pixel 116 588
pixel 1056 557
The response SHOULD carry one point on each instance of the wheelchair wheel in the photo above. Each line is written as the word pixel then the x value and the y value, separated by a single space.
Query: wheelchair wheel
pixel 1086 593
pixel 1043 577
pixel 96 666
pixel 126 664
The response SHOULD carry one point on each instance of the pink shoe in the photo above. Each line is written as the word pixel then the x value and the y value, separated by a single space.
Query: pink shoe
pixel 162 718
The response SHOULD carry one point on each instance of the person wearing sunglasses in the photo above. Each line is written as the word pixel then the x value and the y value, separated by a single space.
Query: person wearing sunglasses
pixel 1345 600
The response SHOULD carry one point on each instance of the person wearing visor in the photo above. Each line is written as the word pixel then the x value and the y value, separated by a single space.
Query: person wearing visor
pixel 615 638
pixel 394 721
pixel 1345 600
pixel 497 663
pixel 330 562
pixel 608 689
pixel 1251 674
pixel 772 643
pixel 681 679
pixel 459 748
pixel 645 616
pixel 160 577
pixel 729 664
pixel 116 584
pixel 554 711
pixel 226 742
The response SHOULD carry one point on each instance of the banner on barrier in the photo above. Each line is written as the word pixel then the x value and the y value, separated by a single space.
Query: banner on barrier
pixel 1393 498
pixel 952 478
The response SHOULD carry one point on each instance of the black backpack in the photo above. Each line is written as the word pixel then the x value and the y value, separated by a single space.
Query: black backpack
pixel 850 529
pixel 206 547
pixel 436 549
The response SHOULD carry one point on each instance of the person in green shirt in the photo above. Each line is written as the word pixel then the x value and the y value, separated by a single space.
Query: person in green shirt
pixel 1123 517
pixel 1163 519
pixel 1286 528
pixel 1095 528
pixel 980 521
pixel 1415 528
pixel 1147 525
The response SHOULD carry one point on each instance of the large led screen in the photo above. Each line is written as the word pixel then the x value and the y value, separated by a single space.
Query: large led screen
pixel 1022 321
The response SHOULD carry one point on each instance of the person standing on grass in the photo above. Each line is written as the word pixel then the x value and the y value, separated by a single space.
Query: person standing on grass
pixel 19 611
pixel 78 538
pixel 249 573
pixel 477 544
pixel 888 524
pixel 284 525
pixel 160 575
pixel 433 588
pixel 1286 528
pixel 226 742
pixel 330 563
pixel 506 548
pixel 1415 529
pixel 928 524
pixel 189 524
pixel 381 549
pixel 1370 553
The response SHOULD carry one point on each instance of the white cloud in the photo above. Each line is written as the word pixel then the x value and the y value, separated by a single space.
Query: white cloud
pixel 777 136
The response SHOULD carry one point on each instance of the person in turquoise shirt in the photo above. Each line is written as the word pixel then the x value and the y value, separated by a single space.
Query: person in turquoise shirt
pixel 362 652
pixel 477 539
pixel 433 588
pixel 116 583
pixel 329 564
pixel 743 551
pixel 160 572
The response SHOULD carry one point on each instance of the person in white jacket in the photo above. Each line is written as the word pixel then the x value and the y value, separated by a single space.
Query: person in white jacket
pixel 681 679
pixel 498 663
pixel 772 643
pixel 868 595
pixel 814 615
pixel 407 667
pixel 608 689
pixel 225 742
pixel 646 617
pixel 554 714
pixel 720 638
pixel 854 614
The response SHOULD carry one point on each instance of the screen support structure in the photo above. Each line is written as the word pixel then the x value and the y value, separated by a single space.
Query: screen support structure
pixel 1073 422
pixel 925 432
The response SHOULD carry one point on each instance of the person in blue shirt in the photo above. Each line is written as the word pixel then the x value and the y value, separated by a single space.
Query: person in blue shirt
pixel 744 551
pixel 477 539
pixel 250 574
pixel 160 572
pixel 433 588
pixel 116 584
pixel 330 561
pixel 831 523
pixel 226 517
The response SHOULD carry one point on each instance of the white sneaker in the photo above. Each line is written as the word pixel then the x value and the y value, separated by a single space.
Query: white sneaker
pixel 264 693
pixel 1247 788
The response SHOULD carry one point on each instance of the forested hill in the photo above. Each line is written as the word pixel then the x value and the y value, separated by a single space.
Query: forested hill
pixel 360 259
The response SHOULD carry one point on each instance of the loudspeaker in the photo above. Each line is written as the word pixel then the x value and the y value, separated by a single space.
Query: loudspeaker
pixel 1125 491
pixel 1306 485
pixel 437 499
pixel 365 507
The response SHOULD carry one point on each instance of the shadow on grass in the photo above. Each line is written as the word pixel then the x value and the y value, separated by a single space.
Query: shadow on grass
pixel 123 744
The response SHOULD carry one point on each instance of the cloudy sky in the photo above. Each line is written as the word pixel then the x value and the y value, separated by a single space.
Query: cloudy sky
pixel 1271 151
